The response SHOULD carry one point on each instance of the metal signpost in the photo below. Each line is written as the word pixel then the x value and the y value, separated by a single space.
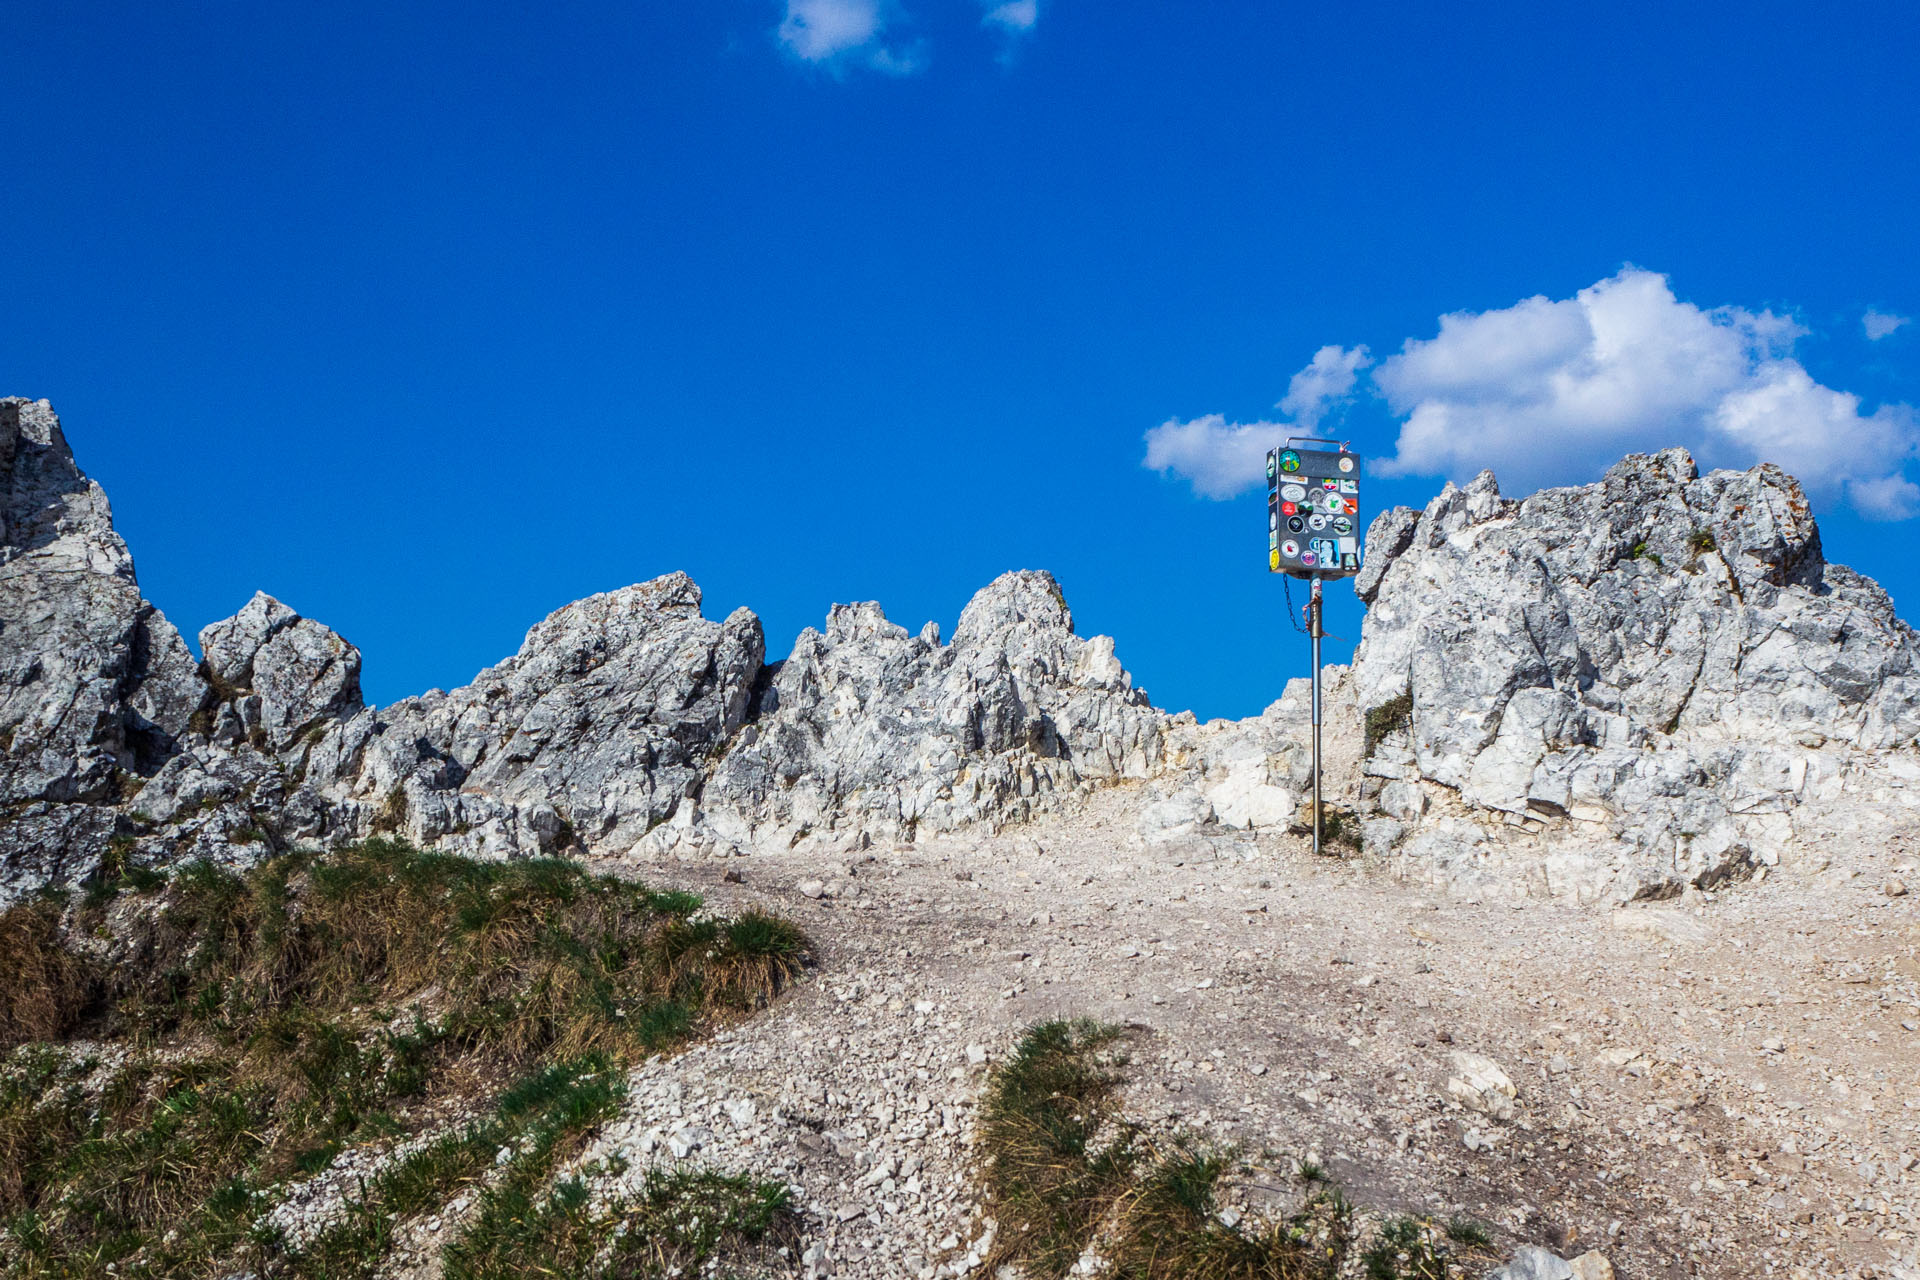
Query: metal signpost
pixel 1313 532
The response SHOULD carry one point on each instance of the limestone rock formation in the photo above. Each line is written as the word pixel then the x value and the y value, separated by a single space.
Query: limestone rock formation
pixel 95 684
pixel 1597 692
pixel 282 675
pixel 871 728
pixel 1649 673
pixel 594 731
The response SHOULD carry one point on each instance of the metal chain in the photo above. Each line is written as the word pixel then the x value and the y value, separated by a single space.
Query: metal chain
pixel 1286 581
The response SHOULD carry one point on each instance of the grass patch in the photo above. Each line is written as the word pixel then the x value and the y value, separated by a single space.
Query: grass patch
pixel 1339 828
pixel 1405 1248
pixel 252 1026
pixel 1066 1174
pixel 1391 716
pixel 1056 1153
pixel 45 990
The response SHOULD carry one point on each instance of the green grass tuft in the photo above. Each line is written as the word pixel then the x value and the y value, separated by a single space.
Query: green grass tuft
pixel 263 1023
pixel 1065 1173
pixel 1056 1154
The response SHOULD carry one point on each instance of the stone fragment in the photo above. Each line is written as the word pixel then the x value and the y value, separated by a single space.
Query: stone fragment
pixel 1592 1265
pixel 1530 1262
pixel 1480 1084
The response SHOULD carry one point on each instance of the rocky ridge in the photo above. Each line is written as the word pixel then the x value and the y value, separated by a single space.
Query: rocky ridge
pixel 1621 689
pixel 1599 692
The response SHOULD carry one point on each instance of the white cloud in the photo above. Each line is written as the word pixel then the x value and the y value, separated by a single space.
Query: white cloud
pixel 1879 324
pixel 1221 458
pixel 840 33
pixel 1552 391
pixel 1327 380
pixel 1224 458
pixel 1888 498
pixel 1015 15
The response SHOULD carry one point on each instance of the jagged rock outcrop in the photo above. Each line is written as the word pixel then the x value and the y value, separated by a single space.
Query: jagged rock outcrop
pixel 1633 683
pixel 594 731
pixel 95 684
pixel 871 729
pixel 280 675
pixel 1595 692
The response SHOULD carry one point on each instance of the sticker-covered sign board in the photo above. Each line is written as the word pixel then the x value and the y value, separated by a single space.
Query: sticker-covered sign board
pixel 1313 513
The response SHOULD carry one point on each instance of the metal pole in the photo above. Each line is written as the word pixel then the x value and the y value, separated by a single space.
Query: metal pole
pixel 1313 631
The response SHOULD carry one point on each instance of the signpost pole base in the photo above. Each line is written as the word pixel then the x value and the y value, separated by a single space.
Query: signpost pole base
pixel 1314 632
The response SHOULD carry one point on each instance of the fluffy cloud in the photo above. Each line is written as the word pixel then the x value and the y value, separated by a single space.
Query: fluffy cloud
pixel 1015 15
pixel 1551 391
pixel 840 33
pixel 1327 381
pixel 1223 458
pixel 1879 324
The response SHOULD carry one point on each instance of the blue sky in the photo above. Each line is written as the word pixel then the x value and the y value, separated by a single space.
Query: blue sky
pixel 428 319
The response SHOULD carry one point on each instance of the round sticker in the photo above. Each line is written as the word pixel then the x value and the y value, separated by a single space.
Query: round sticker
pixel 1297 524
pixel 1316 522
pixel 1289 508
pixel 1306 558
pixel 1346 464
pixel 1333 504
pixel 1289 548
pixel 1289 461
pixel 1342 525
pixel 1293 492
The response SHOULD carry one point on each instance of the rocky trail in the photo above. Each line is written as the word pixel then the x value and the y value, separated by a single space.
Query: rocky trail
pixel 1718 1085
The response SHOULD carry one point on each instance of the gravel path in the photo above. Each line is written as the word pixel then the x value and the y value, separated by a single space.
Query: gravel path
pixel 1719 1085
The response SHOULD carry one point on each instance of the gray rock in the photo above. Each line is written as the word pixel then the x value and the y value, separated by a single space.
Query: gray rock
pixel 95 685
pixel 1640 659
pixel 868 726
pixel 1606 691
pixel 1530 1262
pixel 283 674
pixel 53 844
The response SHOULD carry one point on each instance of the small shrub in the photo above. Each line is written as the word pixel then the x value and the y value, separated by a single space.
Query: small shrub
pixel 1406 1249
pixel 1389 717
pixel 1169 1228
pixel 392 814
pixel 1701 541
pixel 1339 828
